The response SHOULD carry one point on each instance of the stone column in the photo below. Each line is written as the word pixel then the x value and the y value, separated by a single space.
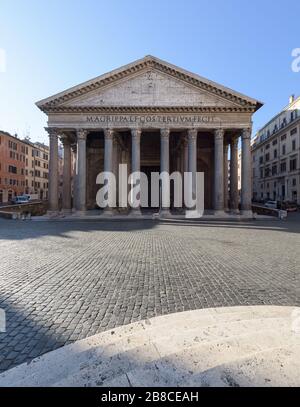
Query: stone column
pixel 74 176
pixel 219 172
pixel 165 169
pixel 234 192
pixel 185 155
pixel 136 162
pixel 108 159
pixel 192 158
pixel 81 170
pixel 246 173
pixel 53 171
pixel 225 160
pixel 66 198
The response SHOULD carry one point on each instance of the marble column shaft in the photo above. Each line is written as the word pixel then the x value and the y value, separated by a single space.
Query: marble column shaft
pixel 81 170
pixel 66 198
pixel 234 193
pixel 219 171
pixel 136 161
pixel 165 168
pixel 225 162
pixel 246 171
pixel 53 170
pixel 192 159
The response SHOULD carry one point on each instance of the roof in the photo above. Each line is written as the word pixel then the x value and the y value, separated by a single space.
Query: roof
pixel 149 61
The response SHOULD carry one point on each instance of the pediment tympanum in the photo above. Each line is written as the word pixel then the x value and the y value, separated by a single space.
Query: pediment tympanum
pixel 152 83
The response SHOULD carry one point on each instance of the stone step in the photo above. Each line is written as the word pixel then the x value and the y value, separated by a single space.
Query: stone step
pixel 271 367
pixel 132 366
pixel 149 340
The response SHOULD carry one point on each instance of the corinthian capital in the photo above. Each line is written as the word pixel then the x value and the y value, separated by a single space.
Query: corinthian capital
pixel 246 133
pixel 81 134
pixel 65 139
pixel 136 134
pixel 52 132
pixel 109 134
pixel 219 135
pixel 165 133
pixel 192 134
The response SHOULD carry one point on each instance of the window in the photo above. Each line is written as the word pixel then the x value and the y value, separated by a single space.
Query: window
pixel 274 169
pixel 283 137
pixel 294 182
pixel 275 153
pixel 268 157
pixel 267 146
pixel 261 173
pixel 292 115
pixel 283 167
pixel 293 164
pixel 267 171
pixel 283 149
pixel 274 142
pixel 293 131
pixel 261 159
pixel 294 145
pixel 12 169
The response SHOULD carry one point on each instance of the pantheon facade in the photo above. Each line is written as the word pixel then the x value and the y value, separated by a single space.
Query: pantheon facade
pixel 154 117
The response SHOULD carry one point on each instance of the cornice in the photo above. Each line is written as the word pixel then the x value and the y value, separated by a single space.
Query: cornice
pixel 146 109
pixel 144 65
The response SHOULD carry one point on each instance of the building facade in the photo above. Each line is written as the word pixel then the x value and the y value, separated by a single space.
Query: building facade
pixel 152 116
pixel 24 168
pixel 12 166
pixel 276 157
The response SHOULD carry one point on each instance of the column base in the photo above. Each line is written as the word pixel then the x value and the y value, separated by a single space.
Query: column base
pixel 135 212
pixel 66 211
pixel 52 214
pixel 219 212
pixel 234 211
pixel 247 213
pixel 80 213
pixel 107 212
pixel 165 213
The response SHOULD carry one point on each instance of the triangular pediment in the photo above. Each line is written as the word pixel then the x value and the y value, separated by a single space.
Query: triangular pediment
pixel 148 82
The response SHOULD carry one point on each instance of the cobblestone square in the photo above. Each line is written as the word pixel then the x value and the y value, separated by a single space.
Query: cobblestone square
pixel 64 281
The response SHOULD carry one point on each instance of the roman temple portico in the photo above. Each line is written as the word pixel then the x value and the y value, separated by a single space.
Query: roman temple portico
pixel 154 117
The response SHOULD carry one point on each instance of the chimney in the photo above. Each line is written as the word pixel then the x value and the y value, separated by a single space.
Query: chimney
pixel 291 99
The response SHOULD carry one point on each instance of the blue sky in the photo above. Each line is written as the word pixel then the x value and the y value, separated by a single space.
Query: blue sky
pixel 52 45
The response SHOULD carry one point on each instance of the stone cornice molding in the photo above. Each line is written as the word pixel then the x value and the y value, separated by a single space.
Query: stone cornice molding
pixel 145 64
pixel 192 134
pixel 146 109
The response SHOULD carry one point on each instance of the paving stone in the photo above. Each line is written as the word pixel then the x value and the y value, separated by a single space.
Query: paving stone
pixel 57 290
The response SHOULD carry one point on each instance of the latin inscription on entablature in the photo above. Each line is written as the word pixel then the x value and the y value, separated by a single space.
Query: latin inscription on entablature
pixel 151 119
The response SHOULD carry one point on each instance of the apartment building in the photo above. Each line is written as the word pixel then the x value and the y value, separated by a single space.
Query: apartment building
pixel 276 157
pixel 24 167
pixel 12 166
